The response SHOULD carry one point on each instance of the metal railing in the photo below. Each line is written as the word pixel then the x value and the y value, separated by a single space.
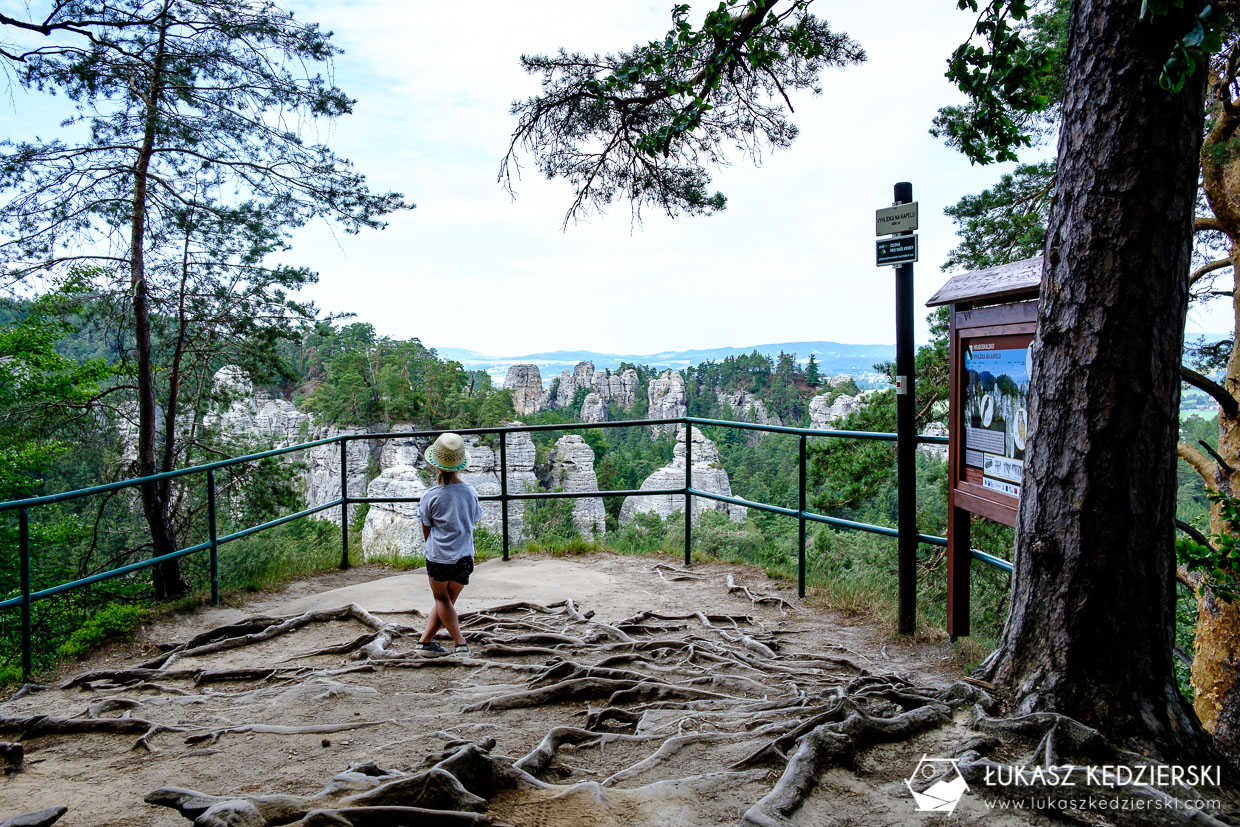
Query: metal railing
pixel 214 541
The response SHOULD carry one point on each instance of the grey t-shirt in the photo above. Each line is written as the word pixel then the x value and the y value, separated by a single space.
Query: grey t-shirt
pixel 450 511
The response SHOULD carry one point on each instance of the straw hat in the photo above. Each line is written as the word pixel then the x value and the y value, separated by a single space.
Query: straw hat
pixel 448 453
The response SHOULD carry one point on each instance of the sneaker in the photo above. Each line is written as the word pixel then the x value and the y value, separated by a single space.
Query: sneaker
pixel 461 649
pixel 430 649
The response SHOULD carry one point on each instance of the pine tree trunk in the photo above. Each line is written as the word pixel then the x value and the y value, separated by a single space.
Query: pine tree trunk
pixel 1216 659
pixel 167 578
pixel 1092 623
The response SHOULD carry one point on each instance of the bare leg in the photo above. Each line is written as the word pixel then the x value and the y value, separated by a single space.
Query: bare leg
pixel 443 613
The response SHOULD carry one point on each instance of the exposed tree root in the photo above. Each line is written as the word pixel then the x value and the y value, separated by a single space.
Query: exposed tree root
pixel 829 744
pixel 40 725
pixel 783 605
pixel 38 818
pixel 635 698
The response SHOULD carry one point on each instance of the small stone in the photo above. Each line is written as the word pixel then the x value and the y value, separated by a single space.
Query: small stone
pixel 326 743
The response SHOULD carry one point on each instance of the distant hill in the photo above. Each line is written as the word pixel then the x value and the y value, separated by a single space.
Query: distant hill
pixel 833 357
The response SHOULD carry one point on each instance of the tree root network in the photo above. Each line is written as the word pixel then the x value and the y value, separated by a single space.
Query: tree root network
pixel 646 690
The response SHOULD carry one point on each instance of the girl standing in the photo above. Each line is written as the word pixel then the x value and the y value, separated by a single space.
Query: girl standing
pixel 448 513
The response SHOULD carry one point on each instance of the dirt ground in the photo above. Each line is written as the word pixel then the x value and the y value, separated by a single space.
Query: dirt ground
pixel 283 716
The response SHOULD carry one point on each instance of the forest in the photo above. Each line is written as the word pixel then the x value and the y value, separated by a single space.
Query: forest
pixel 149 251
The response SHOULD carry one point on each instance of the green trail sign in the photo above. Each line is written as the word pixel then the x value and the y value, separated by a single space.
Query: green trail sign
pixel 898 250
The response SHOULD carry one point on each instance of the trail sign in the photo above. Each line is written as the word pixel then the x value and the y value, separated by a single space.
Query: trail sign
pixel 898 219
pixel 899 250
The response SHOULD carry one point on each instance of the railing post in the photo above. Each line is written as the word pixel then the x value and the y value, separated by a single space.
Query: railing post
pixel 503 489
pixel 23 540
pixel 688 497
pixel 801 524
pixel 344 503
pixel 214 537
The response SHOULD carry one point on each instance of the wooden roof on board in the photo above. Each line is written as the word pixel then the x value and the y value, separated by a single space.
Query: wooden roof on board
pixel 1019 277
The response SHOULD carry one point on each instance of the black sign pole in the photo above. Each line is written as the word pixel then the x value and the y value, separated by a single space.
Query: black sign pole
pixel 906 433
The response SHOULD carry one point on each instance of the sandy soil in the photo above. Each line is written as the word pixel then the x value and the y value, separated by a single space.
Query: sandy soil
pixel 397 716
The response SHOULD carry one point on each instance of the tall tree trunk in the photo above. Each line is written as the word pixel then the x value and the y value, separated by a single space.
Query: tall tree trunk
pixel 167 575
pixel 1216 659
pixel 1092 623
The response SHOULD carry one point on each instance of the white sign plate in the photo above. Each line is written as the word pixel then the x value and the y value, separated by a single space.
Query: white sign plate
pixel 896 219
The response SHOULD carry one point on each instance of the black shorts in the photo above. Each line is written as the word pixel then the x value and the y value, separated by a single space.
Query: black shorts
pixel 457 572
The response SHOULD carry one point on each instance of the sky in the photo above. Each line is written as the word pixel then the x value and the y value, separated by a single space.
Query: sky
pixel 790 259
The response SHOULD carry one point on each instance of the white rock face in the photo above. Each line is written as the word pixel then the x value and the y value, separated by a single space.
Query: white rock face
pixel 618 389
pixel 572 469
pixel 593 409
pixel 823 414
pixel 934 429
pixel 281 419
pixel 323 478
pixel 708 475
pixel 839 380
pixel 525 382
pixel 255 416
pixel 747 408
pixel 232 380
pixel 668 400
pixel 395 527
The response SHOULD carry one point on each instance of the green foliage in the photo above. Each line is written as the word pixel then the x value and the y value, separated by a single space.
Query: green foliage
pixel 1220 563
pixel 366 379
pixel 1191 50
pixel 664 110
pixel 549 521
pixel 1004 223
pixel 812 377
pixel 1014 81
pixel 43 394
pixel 1192 505
pixel 114 621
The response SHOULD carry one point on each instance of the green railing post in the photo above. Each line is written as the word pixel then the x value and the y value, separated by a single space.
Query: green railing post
pixel 801 524
pixel 503 489
pixel 688 496
pixel 214 537
pixel 23 541
pixel 344 503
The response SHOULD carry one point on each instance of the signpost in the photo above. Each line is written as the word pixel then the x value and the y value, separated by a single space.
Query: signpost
pixel 899 219
pixel 898 250
pixel 901 251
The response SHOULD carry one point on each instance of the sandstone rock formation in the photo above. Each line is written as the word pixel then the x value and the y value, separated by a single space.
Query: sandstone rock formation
pixel 668 400
pixel 323 476
pixel 572 469
pixel 619 389
pixel 823 412
pixel 525 382
pixel 746 407
pixel 580 376
pixel 394 528
pixel 934 429
pixel 593 409
pixel 708 475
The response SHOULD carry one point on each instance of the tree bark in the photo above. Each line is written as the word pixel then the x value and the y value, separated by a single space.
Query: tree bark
pixel 1091 629
pixel 167 577
pixel 1216 658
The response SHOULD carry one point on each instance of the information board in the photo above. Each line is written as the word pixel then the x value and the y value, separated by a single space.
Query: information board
pixel 995 416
